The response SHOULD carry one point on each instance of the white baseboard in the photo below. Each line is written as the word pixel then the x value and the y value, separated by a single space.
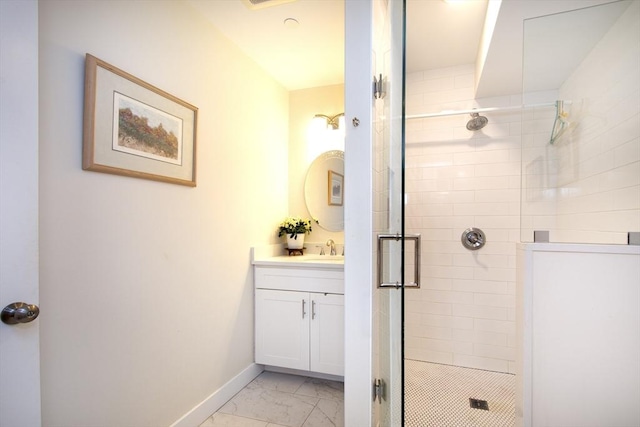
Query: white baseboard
pixel 211 404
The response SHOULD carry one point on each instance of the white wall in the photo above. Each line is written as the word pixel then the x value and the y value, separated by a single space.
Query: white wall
pixel 358 270
pixel 464 313
pixel 146 287
pixel 586 186
pixel 303 105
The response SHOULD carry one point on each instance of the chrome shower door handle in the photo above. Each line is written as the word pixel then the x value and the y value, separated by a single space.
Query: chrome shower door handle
pixel 416 260
pixel 416 268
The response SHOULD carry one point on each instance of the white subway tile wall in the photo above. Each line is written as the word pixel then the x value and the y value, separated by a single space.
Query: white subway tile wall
pixel 455 178
pixel 584 188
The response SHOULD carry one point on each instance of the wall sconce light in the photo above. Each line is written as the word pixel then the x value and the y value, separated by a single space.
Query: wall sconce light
pixel 332 121
pixel 325 133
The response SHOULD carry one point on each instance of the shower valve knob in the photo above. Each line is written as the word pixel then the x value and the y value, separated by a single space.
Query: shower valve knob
pixel 473 238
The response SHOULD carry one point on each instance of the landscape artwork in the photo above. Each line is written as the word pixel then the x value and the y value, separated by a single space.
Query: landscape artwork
pixel 143 130
pixel 134 129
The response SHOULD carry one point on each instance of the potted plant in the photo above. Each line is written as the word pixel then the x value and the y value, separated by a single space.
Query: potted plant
pixel 294 228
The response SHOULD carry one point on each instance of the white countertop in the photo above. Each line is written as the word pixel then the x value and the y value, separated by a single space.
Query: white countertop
pixel 273 256
pixel 331 262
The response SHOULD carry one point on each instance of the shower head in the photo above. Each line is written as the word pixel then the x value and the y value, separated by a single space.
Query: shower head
pixel 477 122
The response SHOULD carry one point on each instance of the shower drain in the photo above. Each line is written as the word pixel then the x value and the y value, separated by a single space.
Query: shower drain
pixel 478 404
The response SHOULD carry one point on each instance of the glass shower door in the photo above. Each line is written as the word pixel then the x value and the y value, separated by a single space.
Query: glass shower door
pixel 388 188
pixel 374 91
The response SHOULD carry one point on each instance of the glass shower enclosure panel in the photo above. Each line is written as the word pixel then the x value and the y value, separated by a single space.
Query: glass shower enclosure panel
pixel 581 155
pixel 388 148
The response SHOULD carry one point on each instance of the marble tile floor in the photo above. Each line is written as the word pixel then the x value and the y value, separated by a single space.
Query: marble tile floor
pixel 282 400
pixel 436 396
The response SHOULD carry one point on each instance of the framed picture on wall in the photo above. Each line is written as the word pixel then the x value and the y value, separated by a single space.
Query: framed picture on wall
pixel 134 129
pixel 336 188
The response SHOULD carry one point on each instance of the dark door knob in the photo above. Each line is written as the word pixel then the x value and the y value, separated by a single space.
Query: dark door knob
pixel 19 312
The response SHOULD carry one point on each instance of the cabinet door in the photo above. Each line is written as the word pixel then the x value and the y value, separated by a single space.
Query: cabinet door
pixel 282 328
pixel 327 333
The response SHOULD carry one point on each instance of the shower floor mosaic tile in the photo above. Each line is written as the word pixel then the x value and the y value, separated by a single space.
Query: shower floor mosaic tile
pixel 438 396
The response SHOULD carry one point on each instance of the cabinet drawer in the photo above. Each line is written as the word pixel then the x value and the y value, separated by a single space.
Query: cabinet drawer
pixel 300 279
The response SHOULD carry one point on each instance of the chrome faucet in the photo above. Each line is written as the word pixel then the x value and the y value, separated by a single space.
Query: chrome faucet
pixel 331 243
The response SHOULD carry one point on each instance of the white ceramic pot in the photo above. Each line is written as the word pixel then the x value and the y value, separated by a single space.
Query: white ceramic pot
pixel 297 242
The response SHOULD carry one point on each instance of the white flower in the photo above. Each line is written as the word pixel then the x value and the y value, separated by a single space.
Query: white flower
pixel 294 225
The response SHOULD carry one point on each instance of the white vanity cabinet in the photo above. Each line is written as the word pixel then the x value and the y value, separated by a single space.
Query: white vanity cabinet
pixel 299 318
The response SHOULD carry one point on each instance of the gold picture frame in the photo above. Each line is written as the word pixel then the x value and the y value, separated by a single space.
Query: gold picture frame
pixel 134 129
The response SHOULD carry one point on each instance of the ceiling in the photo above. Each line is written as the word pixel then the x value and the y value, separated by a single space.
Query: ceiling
pixel 502 69
pixel 441 34
pixel 308 55
pixel 311 54
pixel 301 42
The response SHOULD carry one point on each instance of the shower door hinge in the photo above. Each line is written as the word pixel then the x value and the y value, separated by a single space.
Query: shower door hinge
pixel 379 389
pixel 378 87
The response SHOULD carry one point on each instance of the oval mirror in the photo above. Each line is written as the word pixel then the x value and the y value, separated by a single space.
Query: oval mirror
pixel 324 190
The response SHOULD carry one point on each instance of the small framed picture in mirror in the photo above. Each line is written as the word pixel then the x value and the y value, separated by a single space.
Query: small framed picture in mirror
pixel 336 188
